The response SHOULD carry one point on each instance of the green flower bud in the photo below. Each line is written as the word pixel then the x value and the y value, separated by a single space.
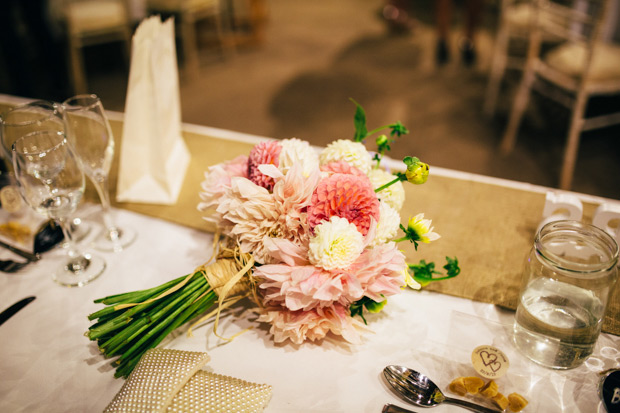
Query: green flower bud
pixel 417 172
pixel 382 140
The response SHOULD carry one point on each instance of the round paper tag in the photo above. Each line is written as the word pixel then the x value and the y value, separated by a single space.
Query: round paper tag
pixel 489 362
pixel 10 199
pixel 609 390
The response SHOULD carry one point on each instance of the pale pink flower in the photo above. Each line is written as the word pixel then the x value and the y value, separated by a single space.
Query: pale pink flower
pixel 380 271
pixel 306 287
pixel 312 325
pixel 341 167
pixel 298 285
pixel 253 215
pixel 217 183
pixel 346 150
pixel 346 196
pixel 263 153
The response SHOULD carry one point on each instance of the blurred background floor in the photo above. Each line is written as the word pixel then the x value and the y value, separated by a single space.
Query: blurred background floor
pixel 316 55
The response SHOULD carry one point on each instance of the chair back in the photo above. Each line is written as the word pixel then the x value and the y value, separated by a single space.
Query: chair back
pixel 94 17
pixel 582 59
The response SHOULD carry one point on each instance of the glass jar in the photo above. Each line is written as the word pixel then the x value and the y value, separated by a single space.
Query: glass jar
pixel 568 279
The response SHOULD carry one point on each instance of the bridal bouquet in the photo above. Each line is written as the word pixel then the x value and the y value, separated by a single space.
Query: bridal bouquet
pixel 312 238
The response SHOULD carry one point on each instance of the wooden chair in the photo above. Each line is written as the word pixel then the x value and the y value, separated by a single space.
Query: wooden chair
pixel 570 73
pixel 190 12
pixel 92 22
pixel 515 23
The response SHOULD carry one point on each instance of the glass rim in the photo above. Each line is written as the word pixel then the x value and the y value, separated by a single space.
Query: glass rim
pixel 578 227
pixel 62 141
pixel 33 104
pixel 84 101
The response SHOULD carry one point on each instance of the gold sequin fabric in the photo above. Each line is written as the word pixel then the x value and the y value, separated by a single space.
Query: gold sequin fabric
pixel 213 393
pixel 172 381
pixel 156 379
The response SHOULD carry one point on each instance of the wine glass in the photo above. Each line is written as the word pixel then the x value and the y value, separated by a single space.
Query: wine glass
pixel 38 115
pixel 88 130
pixel 52 183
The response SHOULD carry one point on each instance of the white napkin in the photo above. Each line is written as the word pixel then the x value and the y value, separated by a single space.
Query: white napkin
pixel 153 156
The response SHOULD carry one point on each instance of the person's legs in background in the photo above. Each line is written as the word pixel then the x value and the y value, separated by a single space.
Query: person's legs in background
pixel 473 9
pixel 443 18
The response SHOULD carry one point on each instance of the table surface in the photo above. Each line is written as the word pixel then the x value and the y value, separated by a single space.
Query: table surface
pixel 47 364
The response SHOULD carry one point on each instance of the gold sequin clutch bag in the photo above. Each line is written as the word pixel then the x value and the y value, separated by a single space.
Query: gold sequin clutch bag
pixel 172 381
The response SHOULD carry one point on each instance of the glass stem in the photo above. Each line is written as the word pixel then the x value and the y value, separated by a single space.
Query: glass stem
pixel 101 185
pixel 68 234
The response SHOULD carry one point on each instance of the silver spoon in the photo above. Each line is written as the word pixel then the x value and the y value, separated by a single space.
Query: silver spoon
pixel 419 390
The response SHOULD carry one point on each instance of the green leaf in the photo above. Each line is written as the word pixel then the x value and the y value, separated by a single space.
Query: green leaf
pixel 423 272
pixel 357 308
pixel 452 267
pixel 359 120
pixel 410 160
pixel 398 129
pixel 375 307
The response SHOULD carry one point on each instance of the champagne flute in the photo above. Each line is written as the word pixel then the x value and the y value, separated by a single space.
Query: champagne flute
pixel 52 183
pixel 89 132
pixel 38 115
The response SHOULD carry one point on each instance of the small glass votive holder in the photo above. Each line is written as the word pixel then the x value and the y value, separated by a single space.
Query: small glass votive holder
pixel 568 279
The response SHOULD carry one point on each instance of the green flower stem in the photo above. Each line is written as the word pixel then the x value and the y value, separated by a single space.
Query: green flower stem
pixel 164 308
pixel 131 331
pixel 131 296
pixel 134 297
pixel 379 129
pixel 200 306
pixel 382 187
pixel 126 315
pixel 401 239
pixel 158 326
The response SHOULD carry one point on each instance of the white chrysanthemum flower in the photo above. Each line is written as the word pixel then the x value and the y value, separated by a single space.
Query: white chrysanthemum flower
pixel 421 229
pixel 297 151
pixel 354 153
pixel 393 195
pixel 336 244
pixel 389 222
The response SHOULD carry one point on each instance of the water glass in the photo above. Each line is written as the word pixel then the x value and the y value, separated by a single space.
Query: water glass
pixel 568 279
pixel 52 183
pixel 38 115
pixel 88 130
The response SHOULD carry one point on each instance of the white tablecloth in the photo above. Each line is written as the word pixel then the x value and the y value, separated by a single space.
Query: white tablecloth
pixel 46 363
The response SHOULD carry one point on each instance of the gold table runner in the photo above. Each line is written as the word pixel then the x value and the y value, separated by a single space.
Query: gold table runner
pixel 489 228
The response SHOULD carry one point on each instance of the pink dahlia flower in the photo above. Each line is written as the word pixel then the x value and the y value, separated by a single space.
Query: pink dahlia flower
pixel 254 216
pixel 346 196
pixel 341 167
pixel 217 182
pixel 263 153
pixel 380 271
pixel 299 326
pixel 306 287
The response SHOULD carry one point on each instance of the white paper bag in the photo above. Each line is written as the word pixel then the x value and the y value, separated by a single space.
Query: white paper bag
pixel 153 156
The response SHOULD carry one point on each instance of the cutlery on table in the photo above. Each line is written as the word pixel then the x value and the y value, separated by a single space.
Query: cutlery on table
pixel 419 390
pixel 48 235
pixel 27 255
pixel 9 312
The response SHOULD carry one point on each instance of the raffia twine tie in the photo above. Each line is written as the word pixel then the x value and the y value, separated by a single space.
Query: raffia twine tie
pixel 229 276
